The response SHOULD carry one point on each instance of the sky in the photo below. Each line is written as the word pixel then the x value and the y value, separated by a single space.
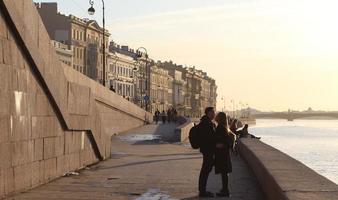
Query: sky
pixel 272 55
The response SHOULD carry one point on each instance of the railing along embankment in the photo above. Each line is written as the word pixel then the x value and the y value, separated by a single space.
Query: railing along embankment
pixel 282 177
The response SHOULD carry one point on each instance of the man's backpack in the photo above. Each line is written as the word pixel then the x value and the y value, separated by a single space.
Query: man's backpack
pixel 195 137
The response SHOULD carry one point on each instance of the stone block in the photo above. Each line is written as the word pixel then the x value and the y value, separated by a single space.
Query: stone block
pixel 49 148
pixel 62 165
pixel 9 180
pixel 22 80
pixel 20 129
pixel 50 169
pixel 1 51
pixel 2 183
pixel 5 155
pixel 31 22
pixel 44 126
pixel 38 149
pixel 60 146
pixel 72 142
pixel 78 99
pixel 3 27
pixel 53 127
pixel 19 153
pixel 74 161
pixel 16 56
pixel 14 8
pixel 43 107
pixel 7 56
pixel 30 157
pixel 44 44
pixel 42 179
pixel 22 179
pixel 35 174
pixel 5 76
pixel 5 124
pixel 19 103
pixel 5 102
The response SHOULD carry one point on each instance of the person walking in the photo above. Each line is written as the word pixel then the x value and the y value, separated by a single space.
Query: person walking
pixel 175 115
pixel 164 117
pixel 225 141
pixel 207 148
pixel 157 116
pixel 169 116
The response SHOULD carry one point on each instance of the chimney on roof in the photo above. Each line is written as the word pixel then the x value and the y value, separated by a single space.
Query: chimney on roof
pixel 49 7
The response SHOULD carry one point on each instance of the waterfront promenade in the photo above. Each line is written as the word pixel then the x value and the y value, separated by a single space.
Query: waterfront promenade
pixel 145 167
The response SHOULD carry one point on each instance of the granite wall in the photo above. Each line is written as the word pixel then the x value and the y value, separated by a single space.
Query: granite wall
pixel 52 118
pixel 282 177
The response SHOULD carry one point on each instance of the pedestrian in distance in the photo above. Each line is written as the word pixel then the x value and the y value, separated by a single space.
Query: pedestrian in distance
pixel 225 141
pixel 175 115
pixel 164 117
pixel 169 115
pixel 157 116
pixel 244 133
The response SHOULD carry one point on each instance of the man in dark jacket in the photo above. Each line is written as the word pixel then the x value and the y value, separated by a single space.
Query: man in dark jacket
pixel 207 148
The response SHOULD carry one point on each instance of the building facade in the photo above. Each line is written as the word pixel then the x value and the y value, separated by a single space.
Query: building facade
pixel 159 89
pixel 65 52
pixel 142 70
pixel 84 36
pixel 122 75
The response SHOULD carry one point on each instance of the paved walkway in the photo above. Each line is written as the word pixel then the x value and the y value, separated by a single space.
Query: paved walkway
pixel 143 167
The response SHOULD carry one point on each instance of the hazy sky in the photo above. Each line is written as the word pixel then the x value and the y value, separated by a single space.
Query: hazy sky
pixel 273 55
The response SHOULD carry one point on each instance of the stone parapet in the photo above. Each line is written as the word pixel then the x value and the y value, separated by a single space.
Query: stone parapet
pixel 183 130
pixel 282 177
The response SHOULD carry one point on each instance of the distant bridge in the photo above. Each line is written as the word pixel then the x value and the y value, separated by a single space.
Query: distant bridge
pixel 290 116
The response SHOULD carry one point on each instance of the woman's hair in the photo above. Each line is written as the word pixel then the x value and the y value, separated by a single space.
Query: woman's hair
pixel 221 118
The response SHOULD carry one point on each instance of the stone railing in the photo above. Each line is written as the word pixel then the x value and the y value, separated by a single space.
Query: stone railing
pixel 282 177
pixel 182 131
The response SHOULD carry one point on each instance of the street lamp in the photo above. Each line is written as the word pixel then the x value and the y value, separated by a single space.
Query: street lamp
pixel 91 11
pixel 223 108
pixel 139 55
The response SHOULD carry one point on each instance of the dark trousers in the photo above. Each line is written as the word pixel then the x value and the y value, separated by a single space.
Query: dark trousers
pixel 208 163
pixel 225 181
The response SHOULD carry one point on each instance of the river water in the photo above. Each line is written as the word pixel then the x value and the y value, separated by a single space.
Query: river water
pixel 312 142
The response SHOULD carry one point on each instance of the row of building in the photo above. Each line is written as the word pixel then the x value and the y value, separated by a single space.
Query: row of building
pixel 130 73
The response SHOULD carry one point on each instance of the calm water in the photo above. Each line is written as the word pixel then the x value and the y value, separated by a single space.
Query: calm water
pixel 313 142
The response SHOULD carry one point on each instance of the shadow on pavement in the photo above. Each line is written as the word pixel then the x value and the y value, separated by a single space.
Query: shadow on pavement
pixel 147 162
pixel 175 154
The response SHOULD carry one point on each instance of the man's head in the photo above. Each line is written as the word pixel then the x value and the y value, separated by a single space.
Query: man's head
pixel 210 112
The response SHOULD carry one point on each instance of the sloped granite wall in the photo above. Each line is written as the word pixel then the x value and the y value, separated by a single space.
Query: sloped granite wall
pixel 52 118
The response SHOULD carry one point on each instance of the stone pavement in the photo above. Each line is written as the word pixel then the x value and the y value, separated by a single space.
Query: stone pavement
pixel 143 167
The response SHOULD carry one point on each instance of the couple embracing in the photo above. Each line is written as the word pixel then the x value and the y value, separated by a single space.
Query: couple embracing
pixel 215 143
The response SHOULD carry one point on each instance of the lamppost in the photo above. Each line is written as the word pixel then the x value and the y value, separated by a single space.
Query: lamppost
pixel 91 11
pixel 138 86
pixel 233 108
pixel 147 91
pixel 223 108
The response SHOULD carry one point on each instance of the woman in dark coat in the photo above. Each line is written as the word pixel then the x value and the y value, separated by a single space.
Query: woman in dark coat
pixel 224 143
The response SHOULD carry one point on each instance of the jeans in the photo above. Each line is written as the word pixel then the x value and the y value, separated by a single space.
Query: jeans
pixel 208 163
